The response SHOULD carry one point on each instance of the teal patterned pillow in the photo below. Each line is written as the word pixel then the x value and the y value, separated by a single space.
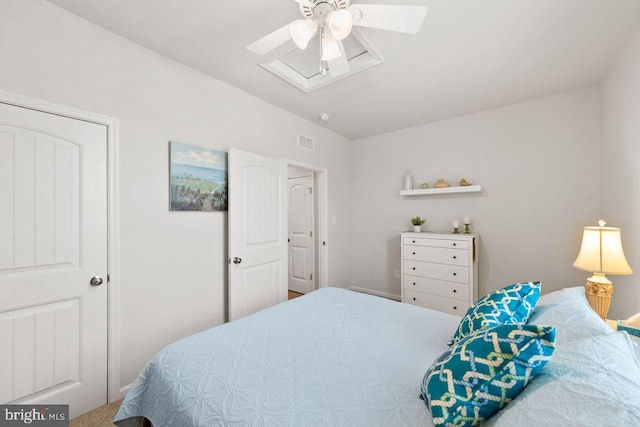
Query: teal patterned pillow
pixel 478 376
pixel 507 306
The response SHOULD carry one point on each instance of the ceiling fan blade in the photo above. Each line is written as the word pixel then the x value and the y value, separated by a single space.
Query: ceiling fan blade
pixel 340 65
pixel 271 41
pixel 404 19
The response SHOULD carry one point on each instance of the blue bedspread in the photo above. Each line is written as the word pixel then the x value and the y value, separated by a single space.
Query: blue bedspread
pixel 331 358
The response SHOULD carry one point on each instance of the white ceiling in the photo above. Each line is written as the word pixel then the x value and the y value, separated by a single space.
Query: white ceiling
pixel 469 56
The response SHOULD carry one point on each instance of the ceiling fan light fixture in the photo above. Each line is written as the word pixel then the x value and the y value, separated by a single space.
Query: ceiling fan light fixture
pixel 302 31
pixel 340 23
pixel 330 48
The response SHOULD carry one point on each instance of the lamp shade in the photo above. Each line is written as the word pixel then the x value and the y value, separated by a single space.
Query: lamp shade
pixel 340 23
pixel 302 31
pixel 601 251
pixel 330 48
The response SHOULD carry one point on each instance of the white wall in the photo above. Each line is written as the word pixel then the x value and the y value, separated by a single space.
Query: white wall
pixel 538 163
pixel 621 169
pixel 173 264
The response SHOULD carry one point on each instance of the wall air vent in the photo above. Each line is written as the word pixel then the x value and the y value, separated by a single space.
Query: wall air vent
pixel 306 142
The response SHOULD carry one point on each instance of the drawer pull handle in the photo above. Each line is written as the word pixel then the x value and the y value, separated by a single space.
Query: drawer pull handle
pixel 413 253
pixel 455 274
pixel 455 257
pixel 413 241
pixel 454 244
pixel 454 307
pixel 414 299
pixel 414 283
pixel 413 268
pixel 454 291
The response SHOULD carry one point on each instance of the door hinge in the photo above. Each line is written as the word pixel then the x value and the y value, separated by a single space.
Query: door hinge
pixel 324 243
pixel 311 277
pixel 311 234
pixel 108 278
pixel 310 190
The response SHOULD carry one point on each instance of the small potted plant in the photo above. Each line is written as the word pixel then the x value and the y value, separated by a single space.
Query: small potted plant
pixel 417 224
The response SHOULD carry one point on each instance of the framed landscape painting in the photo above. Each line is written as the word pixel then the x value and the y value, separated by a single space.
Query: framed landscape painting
pixel 198 178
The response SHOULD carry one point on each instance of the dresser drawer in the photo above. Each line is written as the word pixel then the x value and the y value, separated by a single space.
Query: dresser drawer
pixel 437 243
pixel 435 302
pixel 452 273
pixel 441 288
pixel 436 254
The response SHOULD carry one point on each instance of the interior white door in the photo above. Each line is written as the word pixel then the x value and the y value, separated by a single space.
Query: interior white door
pixel 257 232
pixel 53 240
pixel 301 235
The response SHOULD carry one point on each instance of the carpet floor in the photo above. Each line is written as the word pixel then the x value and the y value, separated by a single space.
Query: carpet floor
pixel 99 417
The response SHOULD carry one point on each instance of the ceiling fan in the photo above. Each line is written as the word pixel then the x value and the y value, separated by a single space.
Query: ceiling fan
pixel 332 21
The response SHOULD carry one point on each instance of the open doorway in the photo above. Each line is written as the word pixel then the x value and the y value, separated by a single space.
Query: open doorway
pixel 306 225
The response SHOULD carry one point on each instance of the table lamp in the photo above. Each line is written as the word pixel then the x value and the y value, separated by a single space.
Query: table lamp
pixel 601 253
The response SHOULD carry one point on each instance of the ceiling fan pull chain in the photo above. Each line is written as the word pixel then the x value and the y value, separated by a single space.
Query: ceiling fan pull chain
pixel 323 64
pixel 320 47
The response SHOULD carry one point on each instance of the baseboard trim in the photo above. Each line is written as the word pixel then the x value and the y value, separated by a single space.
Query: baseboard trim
pixel 376 293
pixel 124 390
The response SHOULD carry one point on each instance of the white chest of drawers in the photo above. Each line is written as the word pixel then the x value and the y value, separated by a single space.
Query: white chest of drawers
pixel 440 270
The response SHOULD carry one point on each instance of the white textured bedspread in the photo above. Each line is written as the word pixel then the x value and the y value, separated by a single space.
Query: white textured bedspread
pixel 331 358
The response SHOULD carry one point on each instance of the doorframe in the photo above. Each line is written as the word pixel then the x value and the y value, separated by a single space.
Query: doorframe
pixel 113 223
pixel 320 174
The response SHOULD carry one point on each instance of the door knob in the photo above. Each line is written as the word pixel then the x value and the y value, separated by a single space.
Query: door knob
pixel 96 281
pixel 237 260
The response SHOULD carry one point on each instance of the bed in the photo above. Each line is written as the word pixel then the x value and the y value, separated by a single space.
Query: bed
pixel 340 358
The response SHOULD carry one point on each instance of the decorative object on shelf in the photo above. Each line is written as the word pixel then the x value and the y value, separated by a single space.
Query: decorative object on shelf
pixel 442 183
pixel 417 223
pixel 464 183
pixel 425 185
pixel 601 253
pixel 408 181
pixel 466 221
pixel 456 227
pixel 198 178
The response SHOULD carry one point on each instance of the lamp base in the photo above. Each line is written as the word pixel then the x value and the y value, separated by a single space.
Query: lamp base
pixel 599 297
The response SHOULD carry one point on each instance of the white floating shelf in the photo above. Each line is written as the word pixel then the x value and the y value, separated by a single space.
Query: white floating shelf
pixel 445 190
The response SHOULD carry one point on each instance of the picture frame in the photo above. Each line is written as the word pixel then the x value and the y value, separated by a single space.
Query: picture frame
pixel 197 178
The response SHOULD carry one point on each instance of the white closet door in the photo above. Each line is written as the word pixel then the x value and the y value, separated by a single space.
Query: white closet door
pixel 53 240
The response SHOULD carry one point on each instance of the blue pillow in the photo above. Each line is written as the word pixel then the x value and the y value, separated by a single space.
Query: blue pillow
pixel 508 306
pixel 478 376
